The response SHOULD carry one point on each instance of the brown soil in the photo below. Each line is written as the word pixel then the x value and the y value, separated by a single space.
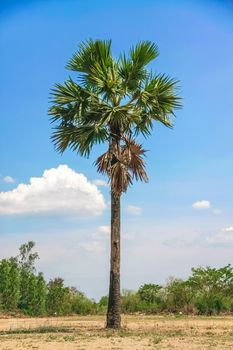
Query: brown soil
pixel 138 332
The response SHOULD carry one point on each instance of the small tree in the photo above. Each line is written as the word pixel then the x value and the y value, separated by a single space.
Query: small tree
pixel 4 282
pixel 179 295
pixel 39 307
pixel 26 257
pixel 26 260
pixel 58 298
pixel 149 293
pixel 14 285
pixel 9 284
pixel 212 286
pixel 81 304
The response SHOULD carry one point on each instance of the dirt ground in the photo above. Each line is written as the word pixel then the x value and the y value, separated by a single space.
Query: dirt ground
pixel 138 332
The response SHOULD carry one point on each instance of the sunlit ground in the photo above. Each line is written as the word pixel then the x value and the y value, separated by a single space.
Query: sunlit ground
pixel 138 332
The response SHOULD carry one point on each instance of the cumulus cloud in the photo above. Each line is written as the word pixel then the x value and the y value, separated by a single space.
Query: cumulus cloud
pixel 8 179
pixel 102 232
pixel 203 204
pixel 105 229
pixel 99 182
pixel 133 210
pixel 228 229
pixel 58 191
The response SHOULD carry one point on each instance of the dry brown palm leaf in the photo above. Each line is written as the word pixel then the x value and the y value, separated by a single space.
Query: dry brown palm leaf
pixel 120 177
pixel 103 163
pixel 122 165
pixel 133 153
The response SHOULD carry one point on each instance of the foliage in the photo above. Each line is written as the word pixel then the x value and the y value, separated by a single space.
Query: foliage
pixel 26 259
pixel 212 287
pixel 112 101
pixel 9 284
pixel 149 293
pixel 58 298
pixel 81 304
pixel 207 291
pixel 131 302
pixel 179 295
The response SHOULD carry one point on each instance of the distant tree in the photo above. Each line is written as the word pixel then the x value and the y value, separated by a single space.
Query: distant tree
pixel 9 284
pixel 130 301
pixel 81 304
pixel 26 260
pixel 40 300
pixel 14 285
pixel 179 295
pixel 211 286
pixel 103 302
pixel 4 281
pixel 58 298
pixel 149 292
pixel 26 257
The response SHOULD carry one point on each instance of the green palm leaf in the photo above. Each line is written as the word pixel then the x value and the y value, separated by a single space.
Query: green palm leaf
pixel 112 101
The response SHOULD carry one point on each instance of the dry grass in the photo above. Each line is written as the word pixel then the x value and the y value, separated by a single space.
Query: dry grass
pixel 138 332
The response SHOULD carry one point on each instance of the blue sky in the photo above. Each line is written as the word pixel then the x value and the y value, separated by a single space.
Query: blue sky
pixel 164 232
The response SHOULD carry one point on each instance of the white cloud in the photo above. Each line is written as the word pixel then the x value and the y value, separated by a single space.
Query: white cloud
pixel 8 179
pixel 203 204
pixel 105 229
pixel 133 210
pixel 99 182
pixel 58 191
pixel 228 229
pixel 93 247
pixel 102 232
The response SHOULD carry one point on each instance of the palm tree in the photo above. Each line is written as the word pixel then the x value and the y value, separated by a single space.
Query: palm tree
pixel 112 101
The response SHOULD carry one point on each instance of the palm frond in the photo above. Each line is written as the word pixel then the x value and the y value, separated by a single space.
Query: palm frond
pixel 67 93
pixel 112 101
pixel 159 99
pixel 131 74
pixel 103 163
pixel 80 139
pixel 89 53
pixel 133 154
pixel 143 53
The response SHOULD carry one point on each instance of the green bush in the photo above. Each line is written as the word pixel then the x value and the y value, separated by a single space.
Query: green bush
pixel 82 305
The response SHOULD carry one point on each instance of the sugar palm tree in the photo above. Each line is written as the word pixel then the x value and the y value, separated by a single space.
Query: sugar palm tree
pixel 112 102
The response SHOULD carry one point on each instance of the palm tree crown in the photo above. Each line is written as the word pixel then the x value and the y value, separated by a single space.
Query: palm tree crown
pixel 113 100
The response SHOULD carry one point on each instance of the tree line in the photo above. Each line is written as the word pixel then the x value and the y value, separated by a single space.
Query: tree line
pixel 207 291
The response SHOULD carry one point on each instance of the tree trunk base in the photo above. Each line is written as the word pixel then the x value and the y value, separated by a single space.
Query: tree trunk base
pixel 113 315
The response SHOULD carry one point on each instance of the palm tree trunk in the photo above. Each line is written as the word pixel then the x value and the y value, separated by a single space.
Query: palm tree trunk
pixel 113 314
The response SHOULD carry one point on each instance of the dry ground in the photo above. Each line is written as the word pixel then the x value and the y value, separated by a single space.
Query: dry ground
pixel 138 332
